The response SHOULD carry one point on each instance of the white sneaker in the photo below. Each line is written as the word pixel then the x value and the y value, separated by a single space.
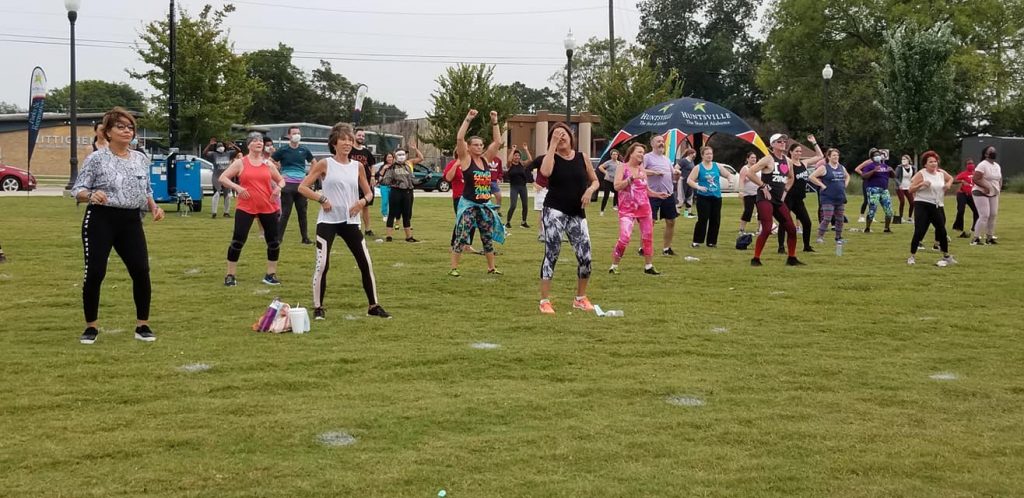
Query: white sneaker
pixel 384 219
pixel 861 219
pixel 602 213
pixel 911 261
pixel 949 260
pixel 820 240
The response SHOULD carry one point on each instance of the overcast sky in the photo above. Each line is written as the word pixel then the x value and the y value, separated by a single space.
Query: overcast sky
pixel 396 47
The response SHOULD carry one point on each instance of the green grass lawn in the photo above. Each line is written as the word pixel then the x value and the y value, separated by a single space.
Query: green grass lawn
pixel 815 380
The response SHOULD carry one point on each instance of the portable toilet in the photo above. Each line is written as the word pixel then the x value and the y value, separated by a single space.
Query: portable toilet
pixel 177 179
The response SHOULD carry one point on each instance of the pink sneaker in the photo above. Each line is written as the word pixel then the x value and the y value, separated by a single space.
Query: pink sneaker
pixel 582 304
pixel 546 308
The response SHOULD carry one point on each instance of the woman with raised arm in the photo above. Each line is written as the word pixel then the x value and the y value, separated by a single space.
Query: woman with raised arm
pixel 774 178
pixel 832 179
pixel 385 191
pixel 342 179
pixel 634 207
pixel 258 190
pixel 115 182
pixel 798 192
pixel 571 182
pixel 475 207
pixel 929 187
pixel 705 180
pixel 401 181
pixel 518 177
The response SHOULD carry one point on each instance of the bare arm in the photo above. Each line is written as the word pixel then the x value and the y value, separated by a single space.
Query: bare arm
pixel 450 174
pixel 232 172
pixel 419 155
pixel 918 182
pixel 691 179
pixel 948 178
pixel 496 140
pixel 594 183
pixel 817 152
pixel 461 148
pixel 815 177
pixel 860 167
pixel 316 172
pixel 618 183
pixel 526 151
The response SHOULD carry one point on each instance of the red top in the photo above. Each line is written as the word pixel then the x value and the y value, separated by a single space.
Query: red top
pixel 966 179
pixel 257 180
pixel 457 184
pixel 496 171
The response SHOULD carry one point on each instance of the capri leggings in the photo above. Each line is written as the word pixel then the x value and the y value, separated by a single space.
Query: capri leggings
pixel 575 227
pixel 400 200
pixel 830 213
pixel 929 214
pixel 243 222
pixel 749 203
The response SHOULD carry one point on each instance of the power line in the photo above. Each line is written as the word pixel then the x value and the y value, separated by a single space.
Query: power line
pixel 406 13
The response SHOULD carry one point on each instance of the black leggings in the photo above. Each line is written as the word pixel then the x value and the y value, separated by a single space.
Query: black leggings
pixel 749 202
pixel 104 228
pixel 472 230
pixel 325 233
pixel 608 188
pixel 964 201
pixel 290 195
pixel 243 222
pixel 926 213
pixel 519 192
pixel 709 219
pixel 799 210
pixel 864 191
pixel 399 204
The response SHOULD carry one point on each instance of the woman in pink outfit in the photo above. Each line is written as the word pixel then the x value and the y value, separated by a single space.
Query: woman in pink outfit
pixel 634 207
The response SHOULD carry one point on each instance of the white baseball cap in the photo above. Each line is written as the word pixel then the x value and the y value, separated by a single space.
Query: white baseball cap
pixel 776 137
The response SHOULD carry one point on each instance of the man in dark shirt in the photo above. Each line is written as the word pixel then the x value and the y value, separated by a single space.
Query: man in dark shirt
pixel 363 155
pixel 293 159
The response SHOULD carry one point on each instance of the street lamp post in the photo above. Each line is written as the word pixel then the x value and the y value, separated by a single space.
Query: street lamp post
pixel 826 75
pixel 72 7
pixel 570 45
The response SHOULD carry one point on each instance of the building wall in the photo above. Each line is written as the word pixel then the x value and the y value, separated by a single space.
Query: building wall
pixel 52 154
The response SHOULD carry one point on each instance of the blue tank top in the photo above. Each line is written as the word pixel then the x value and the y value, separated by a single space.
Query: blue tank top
pixel 710 179
pixel 835 185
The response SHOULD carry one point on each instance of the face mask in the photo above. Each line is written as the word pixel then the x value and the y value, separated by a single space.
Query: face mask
pixel 992 155
pixel 134 142
pixel 877 159
pixel 400 157
pixel 296 138
pixel 220 149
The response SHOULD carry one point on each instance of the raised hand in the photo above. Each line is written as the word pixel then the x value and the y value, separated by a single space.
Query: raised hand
pixel 471 114
pixel 812 140
pixel 494 117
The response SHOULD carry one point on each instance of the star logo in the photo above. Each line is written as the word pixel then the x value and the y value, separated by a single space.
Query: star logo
pixel 699 106
pixel 666 108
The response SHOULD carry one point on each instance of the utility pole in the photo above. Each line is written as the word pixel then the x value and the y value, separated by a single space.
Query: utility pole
pixel 172 100
pixel 611 33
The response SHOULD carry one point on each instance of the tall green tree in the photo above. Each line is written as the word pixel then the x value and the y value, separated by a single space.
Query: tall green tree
pixel 588 60
pixel 283 94
pixel 213 89
pixel 460 89
pixel 916 83
pixel 9 108
pixel 95 96
pixel 534 99
pixel 709 44
pixel 617 94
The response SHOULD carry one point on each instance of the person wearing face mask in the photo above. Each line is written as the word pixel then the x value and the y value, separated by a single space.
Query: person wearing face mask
pixel 399 178
pixel 876 176
pixel 385 191
pixel 293 159
pixel 988 183
pixel 965 199
pixel 904 173
pixel 362 154
pixel 221 156
pixel 929 186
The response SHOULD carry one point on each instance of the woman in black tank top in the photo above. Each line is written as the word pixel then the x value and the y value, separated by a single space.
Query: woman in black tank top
pixel 475 210
pixel 774 178
pixel 796 195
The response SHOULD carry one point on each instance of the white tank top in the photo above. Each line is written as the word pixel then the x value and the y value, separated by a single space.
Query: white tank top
pixel 341 186
pixel 936 192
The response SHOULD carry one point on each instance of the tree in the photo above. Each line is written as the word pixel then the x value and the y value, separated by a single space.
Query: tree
pixel 916 83
pixel 587 61
pixel 95 96
pixel 617 94
pixel 213 89
pixel 533 100
pixel 460 89
pixel 709 44
pixel 283 94
pixel 9 108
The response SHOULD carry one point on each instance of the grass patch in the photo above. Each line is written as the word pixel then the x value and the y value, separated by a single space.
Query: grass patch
pixel 820 387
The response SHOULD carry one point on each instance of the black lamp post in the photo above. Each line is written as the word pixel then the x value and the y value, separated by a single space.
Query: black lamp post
pixel 72 7
pixel 570 45
pixel 826 74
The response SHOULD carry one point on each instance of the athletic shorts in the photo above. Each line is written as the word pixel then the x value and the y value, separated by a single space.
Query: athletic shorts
pixel 538 198
pixel 664 209
pixel 495 187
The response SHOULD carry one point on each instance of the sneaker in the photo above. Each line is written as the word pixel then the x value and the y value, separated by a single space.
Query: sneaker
pixel 652 271
pixel 384 219
pixel 319 314
pixel 614 270
pixel 229 281
pixel 508 225
pixel 911 261
pixel 494 271
pixel 964 235
pixel 226 215
pixel 454 272
pixel 89 336
pixel 975 242
pixel 887 230
pixel 546 308
pixel 950 260
pixel 307 242
pixel 755 262
pixel 820 240
pixel 213 216
pixel 582 304
pixel 694 245
pixel 664 252
pixel 640 251
pixel 271 279
pixel 782 250
pixel 991 241
pixel 867 230
pixel 935 246
pixel 368 233
pixel 412 240
pixel 524 225
pixel 809 249
pixel 910 220
pixel 792 261
pixel 143 334
pixel 378 311
pixel 602 213
pixel 712 246
pixel 3 258
pixel 388 239
pixel 861 219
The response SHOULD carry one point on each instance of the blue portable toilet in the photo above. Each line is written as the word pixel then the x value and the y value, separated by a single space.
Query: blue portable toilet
pixel 180 183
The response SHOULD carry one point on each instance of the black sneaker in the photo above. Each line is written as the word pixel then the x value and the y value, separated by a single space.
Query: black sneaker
pixel 991 242
pixel 229 281
pixel 368 233
pixel 508 225
pixel 867 230
pixel 755 262
pixel 307 242
pixel 524 225
pixel 143 334
pixel 89 336
pixel 318 314
pixel 378 310
pixel 664 252
pixel 412 240
pixel 640 252
pixel 809 249
pixel 271 279
pixel 226 215
pixel 887 230
pixel 388 239
pixel 782 250
pixel 214 216
pixel 652 271
pixel 964 235
pixel 792 261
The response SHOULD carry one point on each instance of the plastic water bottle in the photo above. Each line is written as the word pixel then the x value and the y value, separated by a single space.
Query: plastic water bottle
pixel 270 315
pixel 839 248
pixel 613 313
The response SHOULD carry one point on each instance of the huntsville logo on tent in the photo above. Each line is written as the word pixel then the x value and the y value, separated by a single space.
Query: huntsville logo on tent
pixel 705 119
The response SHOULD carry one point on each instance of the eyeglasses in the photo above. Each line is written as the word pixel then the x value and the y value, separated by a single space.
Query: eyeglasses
pixel 124 126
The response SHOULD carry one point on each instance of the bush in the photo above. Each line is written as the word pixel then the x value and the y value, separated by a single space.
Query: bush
pixel 1015 185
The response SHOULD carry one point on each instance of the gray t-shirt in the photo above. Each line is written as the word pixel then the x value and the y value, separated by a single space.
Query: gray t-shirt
pixel 124 180
pixel 609 167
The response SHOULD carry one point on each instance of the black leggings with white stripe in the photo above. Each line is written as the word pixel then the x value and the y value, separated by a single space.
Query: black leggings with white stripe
pixel 105 228
pixel 353 237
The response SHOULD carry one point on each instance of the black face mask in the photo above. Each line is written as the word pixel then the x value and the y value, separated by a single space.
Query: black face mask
pixel 991 156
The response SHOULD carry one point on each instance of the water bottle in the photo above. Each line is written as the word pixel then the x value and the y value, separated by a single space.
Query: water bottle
pixel 613 313
pixel 839 248
pixel 270 315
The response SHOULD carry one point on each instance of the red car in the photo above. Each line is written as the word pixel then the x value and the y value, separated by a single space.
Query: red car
pixel 12 179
